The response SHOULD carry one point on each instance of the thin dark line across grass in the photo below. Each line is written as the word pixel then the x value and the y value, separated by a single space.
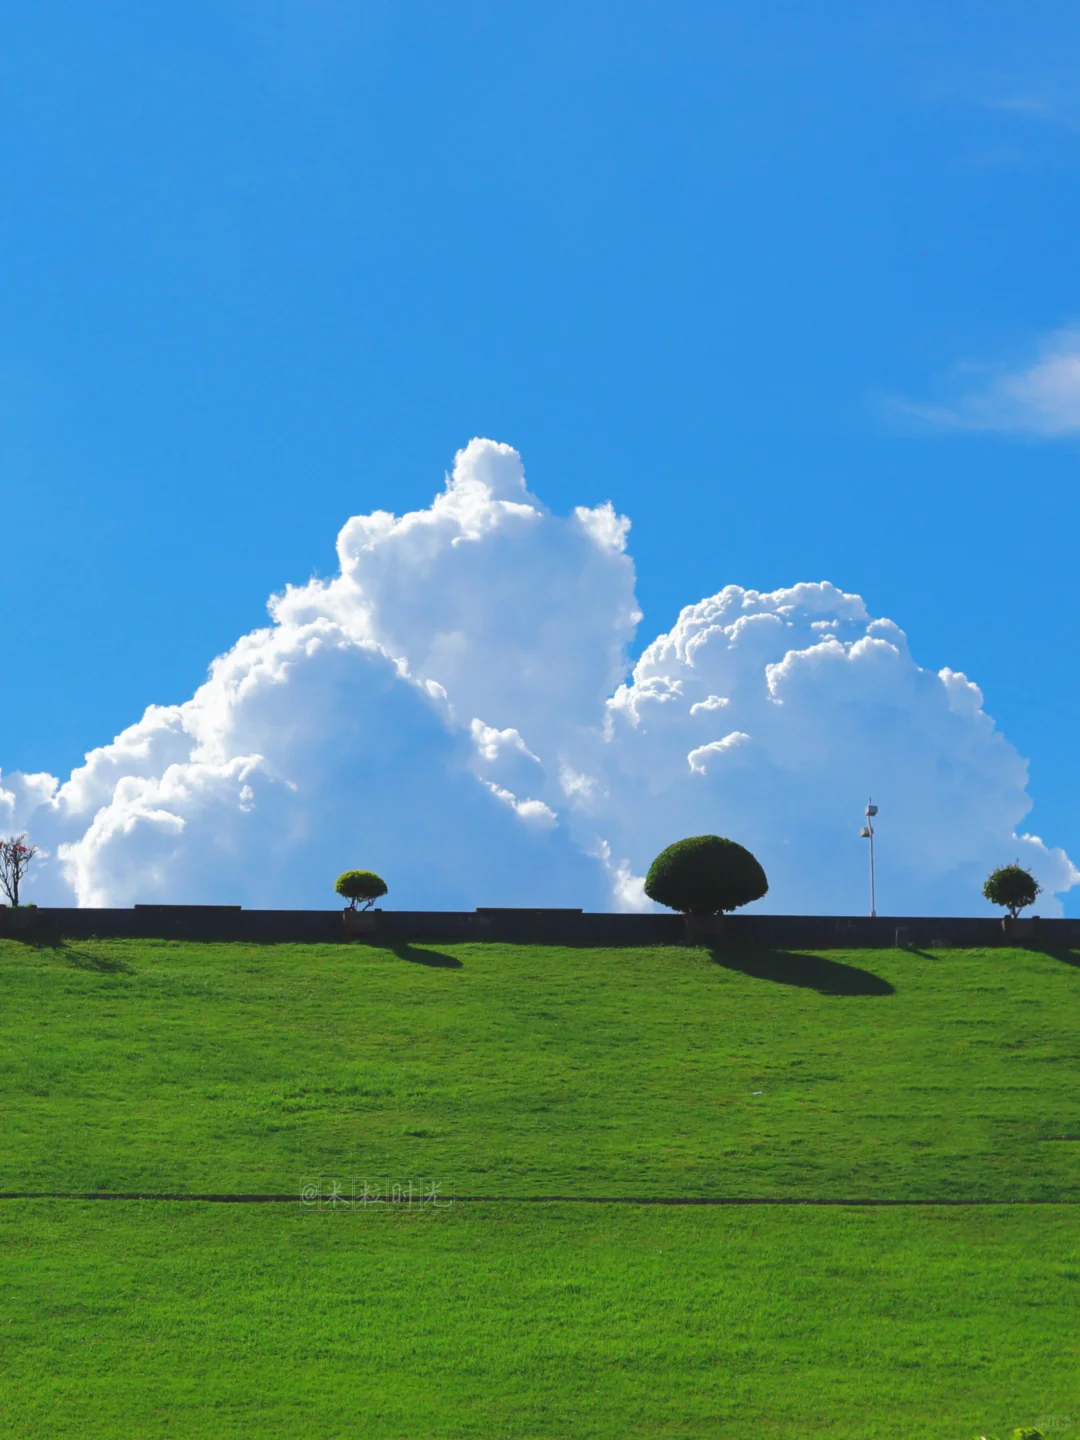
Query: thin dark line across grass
pixel 294 1199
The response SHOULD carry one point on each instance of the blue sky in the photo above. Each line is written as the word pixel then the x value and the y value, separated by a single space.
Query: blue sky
pixel 775 279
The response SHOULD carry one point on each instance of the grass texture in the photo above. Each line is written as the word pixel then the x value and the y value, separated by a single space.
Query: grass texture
pixel 148 1320
pixel 512 1071
pixel 504 1070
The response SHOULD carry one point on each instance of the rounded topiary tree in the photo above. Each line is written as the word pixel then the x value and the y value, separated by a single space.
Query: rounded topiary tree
pixel 704 875
pixel 362 885
pixel 1012 886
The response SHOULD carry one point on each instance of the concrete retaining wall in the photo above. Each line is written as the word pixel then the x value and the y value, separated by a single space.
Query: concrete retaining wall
pixel 560 927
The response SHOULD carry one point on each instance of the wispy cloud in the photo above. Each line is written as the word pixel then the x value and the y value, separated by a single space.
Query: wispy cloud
pixel 1042 398
pixel 1037 92
pixel 1054 105
pixel 995 157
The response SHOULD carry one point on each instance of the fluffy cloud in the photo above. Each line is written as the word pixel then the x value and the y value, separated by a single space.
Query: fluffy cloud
pixel 453 708
pixel 772 718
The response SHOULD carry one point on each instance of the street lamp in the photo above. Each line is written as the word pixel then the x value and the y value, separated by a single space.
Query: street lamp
pixel 867 833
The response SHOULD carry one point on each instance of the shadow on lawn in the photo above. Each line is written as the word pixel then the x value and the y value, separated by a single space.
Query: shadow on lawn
pixel 808 972
pixel 416 956
pixel 1065 955
pixel 85 960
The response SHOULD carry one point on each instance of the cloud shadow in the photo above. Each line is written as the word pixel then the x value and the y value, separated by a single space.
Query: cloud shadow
pixel 806 972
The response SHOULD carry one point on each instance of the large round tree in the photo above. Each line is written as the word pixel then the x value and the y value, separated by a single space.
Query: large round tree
pixel 704 875
pixel 1012 886
pixel 362 885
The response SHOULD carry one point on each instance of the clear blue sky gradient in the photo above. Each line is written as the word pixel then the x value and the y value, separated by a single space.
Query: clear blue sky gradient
pixel 267 264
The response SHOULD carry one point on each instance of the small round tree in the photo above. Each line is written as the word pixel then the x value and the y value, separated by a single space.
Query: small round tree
pixel 1012 886
pixel 704 875
pixel 362 885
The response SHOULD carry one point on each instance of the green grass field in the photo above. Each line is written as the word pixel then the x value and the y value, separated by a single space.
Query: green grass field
pixel 516 1071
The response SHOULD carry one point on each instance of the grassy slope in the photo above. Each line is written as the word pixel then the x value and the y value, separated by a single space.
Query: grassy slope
pixel 507 1070
pixel 523 1071
pixel 213 1321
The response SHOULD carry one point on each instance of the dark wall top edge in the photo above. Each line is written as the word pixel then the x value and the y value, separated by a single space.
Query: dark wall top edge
pixel 536 926
pixel 534 910
pixel 528 912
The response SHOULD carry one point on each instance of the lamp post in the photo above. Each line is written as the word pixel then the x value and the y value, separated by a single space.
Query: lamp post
pixel 867 833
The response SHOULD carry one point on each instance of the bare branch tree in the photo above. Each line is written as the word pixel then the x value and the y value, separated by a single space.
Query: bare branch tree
pixel 15 857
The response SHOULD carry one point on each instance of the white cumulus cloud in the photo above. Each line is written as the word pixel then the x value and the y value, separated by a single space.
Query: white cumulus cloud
pixel 825 707
pixel 454 709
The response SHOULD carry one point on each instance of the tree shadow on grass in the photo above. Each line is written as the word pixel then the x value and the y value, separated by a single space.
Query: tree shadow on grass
pixel 807 972
pixel 1066 955
pixel 86 960
pixel 417 956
